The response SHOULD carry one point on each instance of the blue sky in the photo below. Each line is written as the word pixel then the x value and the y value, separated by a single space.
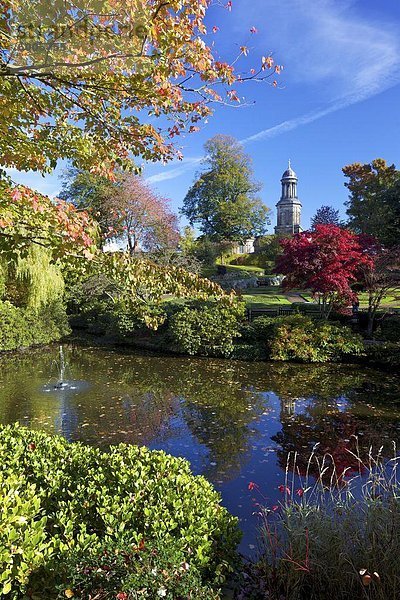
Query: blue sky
pixel 338 99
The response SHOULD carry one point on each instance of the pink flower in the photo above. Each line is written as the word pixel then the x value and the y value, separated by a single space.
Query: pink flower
pixel 252 485
pixel 253 30
pixel 275 507
pixel 300 492
pixel 284 489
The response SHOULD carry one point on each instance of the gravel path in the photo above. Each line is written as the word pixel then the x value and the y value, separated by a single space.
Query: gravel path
pixel 296 298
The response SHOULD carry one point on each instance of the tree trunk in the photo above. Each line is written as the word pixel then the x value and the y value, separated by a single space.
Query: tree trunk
pixel 132 245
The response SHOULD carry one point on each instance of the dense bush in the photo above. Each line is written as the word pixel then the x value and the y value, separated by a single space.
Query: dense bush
pixel 147 570
pixel 383 355
pixel 299 338
pixel 23 545
pixel 390 329
pixel 249 352
pixel 23 327
pixel 205 328
pixel 119 510
pixel 252 260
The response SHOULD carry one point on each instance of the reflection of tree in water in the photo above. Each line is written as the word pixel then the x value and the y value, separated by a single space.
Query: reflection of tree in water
pixel 149 413
pixel 214 404
pixel 330 405
pixel 137 398
pixel 220 414
pixel 335 432
pixel 329 381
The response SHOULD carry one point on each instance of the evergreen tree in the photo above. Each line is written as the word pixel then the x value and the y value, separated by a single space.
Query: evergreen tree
pixel 325 215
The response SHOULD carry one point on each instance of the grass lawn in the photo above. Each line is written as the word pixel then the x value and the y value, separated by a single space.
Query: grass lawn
pixel 391 300
pixel 265 297
pixel 249 269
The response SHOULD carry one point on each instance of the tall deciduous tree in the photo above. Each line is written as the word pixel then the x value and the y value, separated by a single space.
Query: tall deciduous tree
pixel 374 198
pixel 142 216
pixel 326 261
pixel 96 80
pixel 325 215
pixel 390 229
pixel 126 209
pixel 223 201
pixel 89 192
pixel 378 275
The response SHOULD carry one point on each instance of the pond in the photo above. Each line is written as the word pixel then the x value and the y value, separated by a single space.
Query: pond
pixel 234 421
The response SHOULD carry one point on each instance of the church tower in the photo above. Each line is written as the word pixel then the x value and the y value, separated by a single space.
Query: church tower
pixel 289 206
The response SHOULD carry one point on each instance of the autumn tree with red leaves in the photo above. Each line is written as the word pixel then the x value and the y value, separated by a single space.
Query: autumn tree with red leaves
pixel 127 209
pixel 326 261
pixel 28 218
pixel 141 216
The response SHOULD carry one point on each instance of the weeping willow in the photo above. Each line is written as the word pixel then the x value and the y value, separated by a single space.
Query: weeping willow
pixel 32 282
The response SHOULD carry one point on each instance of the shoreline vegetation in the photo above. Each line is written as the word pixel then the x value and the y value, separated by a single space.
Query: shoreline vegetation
pixel 129 521
pixel 329 536
pixel 82 523
pixel 377 353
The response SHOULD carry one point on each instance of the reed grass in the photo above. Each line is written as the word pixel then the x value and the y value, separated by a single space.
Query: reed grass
pixel 335 536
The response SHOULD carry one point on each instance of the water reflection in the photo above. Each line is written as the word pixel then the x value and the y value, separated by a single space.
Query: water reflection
pixel 234 421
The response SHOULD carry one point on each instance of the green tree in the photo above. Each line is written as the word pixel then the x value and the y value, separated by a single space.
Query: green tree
pixel 223 201
pixel 187 240
pixel 90 192
pixel 325 215
pixel 374 199
pixel 391 201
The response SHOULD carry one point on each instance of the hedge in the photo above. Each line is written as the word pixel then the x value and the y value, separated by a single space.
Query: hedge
pixel 23 327
pixel 76 522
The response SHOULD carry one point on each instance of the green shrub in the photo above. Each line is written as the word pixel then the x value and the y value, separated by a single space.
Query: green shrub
pixel 126 498
pixel 252 260
pixel 390 329
pixel 23 545
pixel 24 327
pixel 250 352
pixel 129 572
pixel 383 355
pixel 299 338
pixel 206 328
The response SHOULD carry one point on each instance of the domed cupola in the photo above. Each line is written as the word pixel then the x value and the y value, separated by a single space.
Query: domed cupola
pixel 289 206
pixel 289 173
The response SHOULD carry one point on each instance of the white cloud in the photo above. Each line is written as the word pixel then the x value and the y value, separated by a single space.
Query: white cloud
pixel 187 164
pixel 332 51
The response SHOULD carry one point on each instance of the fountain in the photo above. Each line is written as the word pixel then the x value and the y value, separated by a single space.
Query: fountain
pixel 61 380
pixel 62 384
